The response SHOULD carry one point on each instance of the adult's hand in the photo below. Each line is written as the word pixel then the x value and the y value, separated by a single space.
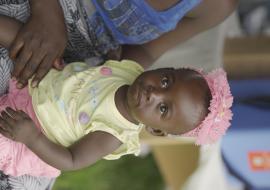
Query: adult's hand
pixel 39 43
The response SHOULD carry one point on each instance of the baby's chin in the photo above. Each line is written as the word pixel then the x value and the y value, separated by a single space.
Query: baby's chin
pixel 131 102
pixel 132 94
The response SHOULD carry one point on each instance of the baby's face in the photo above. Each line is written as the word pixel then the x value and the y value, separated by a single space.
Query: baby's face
pixel 167 100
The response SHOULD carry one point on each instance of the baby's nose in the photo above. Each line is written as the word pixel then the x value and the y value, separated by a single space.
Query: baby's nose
pixel 154 93
pixel 147 90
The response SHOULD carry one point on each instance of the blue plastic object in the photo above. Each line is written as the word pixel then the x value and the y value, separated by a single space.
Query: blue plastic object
pixel 250 131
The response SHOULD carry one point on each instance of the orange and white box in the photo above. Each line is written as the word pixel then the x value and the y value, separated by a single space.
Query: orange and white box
pixel 259 160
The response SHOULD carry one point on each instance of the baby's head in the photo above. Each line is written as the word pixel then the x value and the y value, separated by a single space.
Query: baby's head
pixel 182 102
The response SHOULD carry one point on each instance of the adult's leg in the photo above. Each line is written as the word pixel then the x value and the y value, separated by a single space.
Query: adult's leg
pixel 6 66
pixel 24 182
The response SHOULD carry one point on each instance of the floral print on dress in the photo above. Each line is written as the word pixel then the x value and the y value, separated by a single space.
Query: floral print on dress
pixel 106 71
pixel 84 118
pixel 78 68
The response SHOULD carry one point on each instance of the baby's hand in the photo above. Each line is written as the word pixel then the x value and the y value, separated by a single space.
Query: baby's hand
pixel 18 126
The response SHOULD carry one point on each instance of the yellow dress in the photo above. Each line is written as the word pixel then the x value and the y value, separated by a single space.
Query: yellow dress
pixel 80 99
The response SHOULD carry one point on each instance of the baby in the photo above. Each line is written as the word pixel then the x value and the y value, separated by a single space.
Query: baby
pixel 87 113
pixel 82 114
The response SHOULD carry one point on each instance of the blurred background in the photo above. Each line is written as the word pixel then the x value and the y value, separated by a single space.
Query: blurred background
pixel 242 159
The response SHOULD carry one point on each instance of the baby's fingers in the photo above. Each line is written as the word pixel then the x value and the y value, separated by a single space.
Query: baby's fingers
pixel 16 46
pixel 5 130
pixel 4 125
pixel 23 114
pixel 14 113
pixel 8 119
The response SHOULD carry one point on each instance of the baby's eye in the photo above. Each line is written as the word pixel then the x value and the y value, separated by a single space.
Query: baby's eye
pixel 163 108
pixel 164 82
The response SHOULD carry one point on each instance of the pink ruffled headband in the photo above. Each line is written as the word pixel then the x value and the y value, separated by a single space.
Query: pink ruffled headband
pixel 218 120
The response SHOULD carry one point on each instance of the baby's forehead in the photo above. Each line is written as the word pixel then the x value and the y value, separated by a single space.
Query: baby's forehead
pixel 188 95
pixel 188 72
pixel 189 110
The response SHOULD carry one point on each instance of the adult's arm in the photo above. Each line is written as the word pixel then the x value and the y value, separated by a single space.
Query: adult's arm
pixel 206 15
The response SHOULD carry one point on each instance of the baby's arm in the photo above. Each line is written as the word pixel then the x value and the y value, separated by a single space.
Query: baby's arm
pixel 18 126
pixel 83 153
pixel 9 28
pixel 92 148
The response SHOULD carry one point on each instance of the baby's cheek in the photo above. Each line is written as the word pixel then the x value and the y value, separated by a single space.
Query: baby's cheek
pixel 147 117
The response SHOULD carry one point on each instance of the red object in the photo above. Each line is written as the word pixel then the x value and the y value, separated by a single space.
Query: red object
pixel 259 160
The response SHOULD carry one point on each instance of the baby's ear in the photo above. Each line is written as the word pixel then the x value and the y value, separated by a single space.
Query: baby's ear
pixel 58 64
pixel 155 132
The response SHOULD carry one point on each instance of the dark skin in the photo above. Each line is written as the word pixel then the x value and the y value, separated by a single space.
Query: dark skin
pixel 153 99
pixel 167 100
pixel 8 31
pixel 9 28
pixel 39 42
pixel 160 5
pixel 42 40
pixel 90 149
pixel 206 15
pixel 18 126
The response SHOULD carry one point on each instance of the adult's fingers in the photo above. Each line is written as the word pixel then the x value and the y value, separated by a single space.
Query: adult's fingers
pixel 43 69
pixel 59 64
pixel 16 47
pixel 21 61
pixel 31 67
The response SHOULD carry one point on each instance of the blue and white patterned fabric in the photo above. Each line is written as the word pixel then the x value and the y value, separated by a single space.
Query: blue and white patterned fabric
pixel 135 21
